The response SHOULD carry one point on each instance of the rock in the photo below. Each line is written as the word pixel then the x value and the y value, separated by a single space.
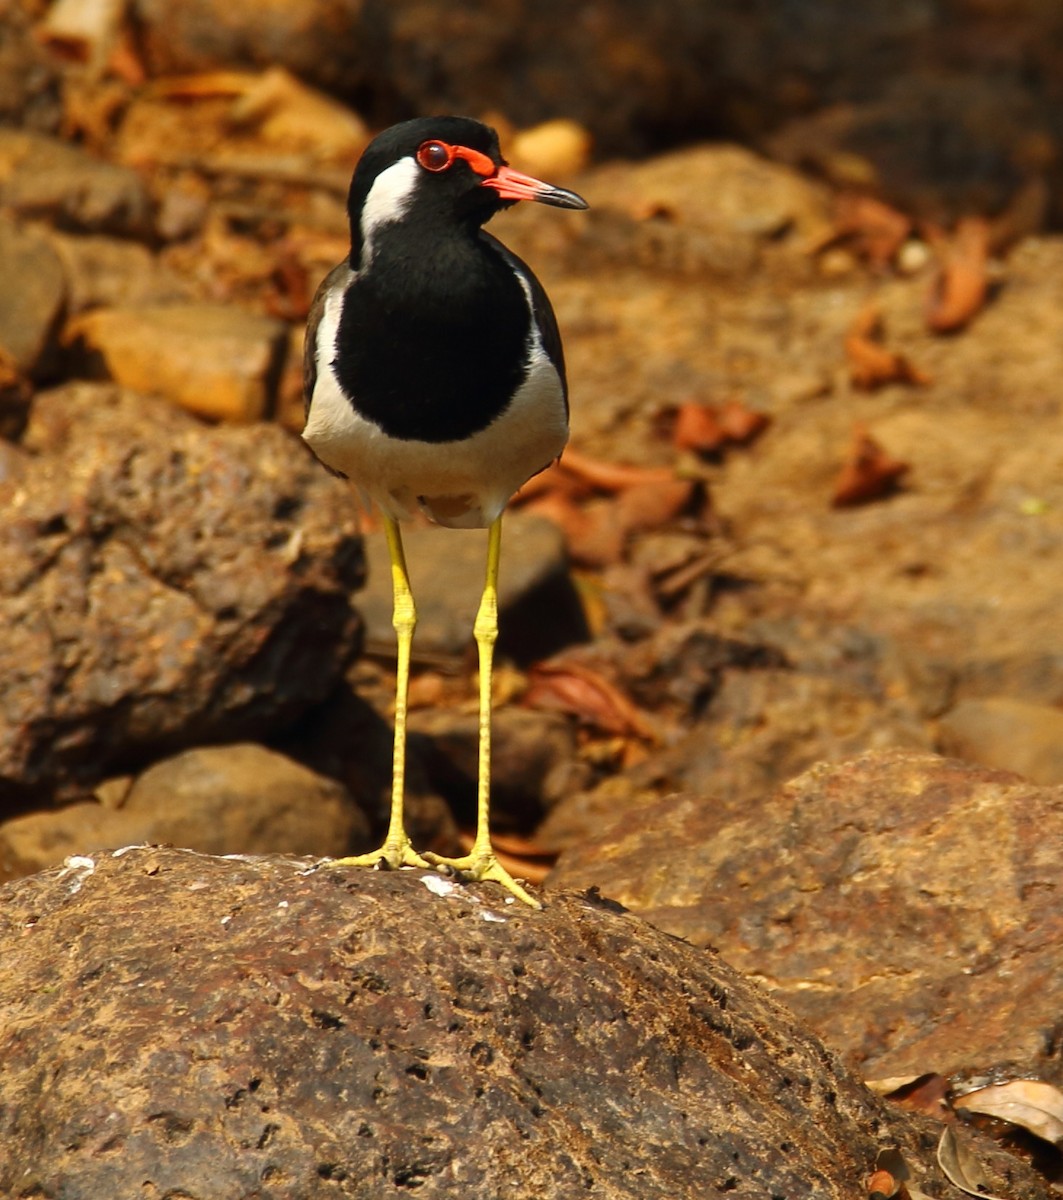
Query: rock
pixel 533 760
pixel 753 198
pixel 683 69
pixel 47 179
pixel 748 714
pixel 32 298
pixel 319 41
pixel 107 272
pixel 162 585
pixel 1010 734
pixel 264 1028
pixel 939 145
pixel 29 76
pixel 240 799
pixel 346 737
pixel 902 904
pixel 447 574
pixel 213 359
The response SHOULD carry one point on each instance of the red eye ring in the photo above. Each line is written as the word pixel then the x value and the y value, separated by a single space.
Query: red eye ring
pixel 434 155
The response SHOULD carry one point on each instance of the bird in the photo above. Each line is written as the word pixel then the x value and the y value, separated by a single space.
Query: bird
pixel 434 381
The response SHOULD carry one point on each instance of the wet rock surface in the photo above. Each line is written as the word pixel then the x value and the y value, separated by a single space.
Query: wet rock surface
pixel 162 583
pixel 459 1045
pixel 902 904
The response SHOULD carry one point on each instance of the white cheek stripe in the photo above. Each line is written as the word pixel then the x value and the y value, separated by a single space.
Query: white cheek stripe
pixel 388 200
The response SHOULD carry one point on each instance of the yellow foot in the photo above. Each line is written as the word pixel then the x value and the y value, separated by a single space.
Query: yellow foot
pixel 390 856
pixel 477 868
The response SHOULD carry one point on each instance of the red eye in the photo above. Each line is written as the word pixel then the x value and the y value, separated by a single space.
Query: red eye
pixel 435 156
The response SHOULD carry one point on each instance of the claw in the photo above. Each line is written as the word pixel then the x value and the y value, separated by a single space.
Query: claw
pixel 390 857
pixel 480 868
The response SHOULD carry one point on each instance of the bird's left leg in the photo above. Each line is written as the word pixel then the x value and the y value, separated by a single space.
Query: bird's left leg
pixel 480 863
pixel 396 850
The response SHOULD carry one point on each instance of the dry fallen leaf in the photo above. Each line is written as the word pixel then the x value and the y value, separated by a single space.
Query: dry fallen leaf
pixel 1031 1103
pixel 612 477
pixel 881 1185
pixel 919 1093
pixel 741 424
pixel 871 364
pixel 651 505
pixel 960 290
pixel 867 474
pixel 584 693
pixel 705 429
pixel 876 230
pixel 961 1167
pixel 697 428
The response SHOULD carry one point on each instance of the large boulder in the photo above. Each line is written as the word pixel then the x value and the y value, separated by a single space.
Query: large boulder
pixel 178 1025
pixel 162 585
pixel 903 904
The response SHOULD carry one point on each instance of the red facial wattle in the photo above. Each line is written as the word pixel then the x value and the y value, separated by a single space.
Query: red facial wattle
pixel 437 156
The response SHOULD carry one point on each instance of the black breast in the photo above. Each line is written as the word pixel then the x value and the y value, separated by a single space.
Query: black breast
pixel 433 340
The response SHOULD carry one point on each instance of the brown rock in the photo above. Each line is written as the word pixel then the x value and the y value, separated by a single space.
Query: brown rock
pixel 748 715
pixel 1011 734
pixel 902 904
pixel 539 610
pixel 213 359
pixel 533 760
pixel 31 299
pixel 44 178
pixel 162 585
pixel 109 272
pixel 350 737
pixel 29 76
pixel 240 799
pixel 263 1028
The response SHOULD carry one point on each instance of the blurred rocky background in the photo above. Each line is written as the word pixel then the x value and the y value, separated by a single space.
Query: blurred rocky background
pixel 782 655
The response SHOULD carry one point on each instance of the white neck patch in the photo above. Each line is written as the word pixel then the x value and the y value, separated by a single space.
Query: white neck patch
pixel 388 200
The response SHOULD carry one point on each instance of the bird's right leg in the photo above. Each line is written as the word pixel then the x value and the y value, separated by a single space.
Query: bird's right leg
pixel 396 851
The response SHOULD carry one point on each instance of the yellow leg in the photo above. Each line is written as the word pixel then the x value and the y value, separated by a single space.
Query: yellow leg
pixel 480 863
pixel 396 851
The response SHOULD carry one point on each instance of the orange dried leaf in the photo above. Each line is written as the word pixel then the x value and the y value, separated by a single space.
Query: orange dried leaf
pixel 741 424
pixel 697 428
pixel 867 474
pixel 882 1186
pixel 959 293
pixel 206 85
pixel 870 364
pixel 555 480
pixel 877 229
pixel 611 477
pixel 587 695
pixel 651 505
pixel 599 538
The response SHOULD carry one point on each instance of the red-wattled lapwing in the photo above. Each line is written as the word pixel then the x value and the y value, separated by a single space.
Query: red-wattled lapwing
pixel 435 381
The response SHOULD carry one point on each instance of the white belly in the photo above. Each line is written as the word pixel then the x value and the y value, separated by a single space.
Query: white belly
pixel 463 484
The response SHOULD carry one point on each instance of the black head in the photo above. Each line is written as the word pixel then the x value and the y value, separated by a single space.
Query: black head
pixel 438 169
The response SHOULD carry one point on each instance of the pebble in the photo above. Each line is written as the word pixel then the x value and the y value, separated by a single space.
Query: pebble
pixel 211 359
pixel 1013 735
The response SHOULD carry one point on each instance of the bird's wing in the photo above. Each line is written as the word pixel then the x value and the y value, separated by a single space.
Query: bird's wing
pixel 338 277
pixel 542 309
